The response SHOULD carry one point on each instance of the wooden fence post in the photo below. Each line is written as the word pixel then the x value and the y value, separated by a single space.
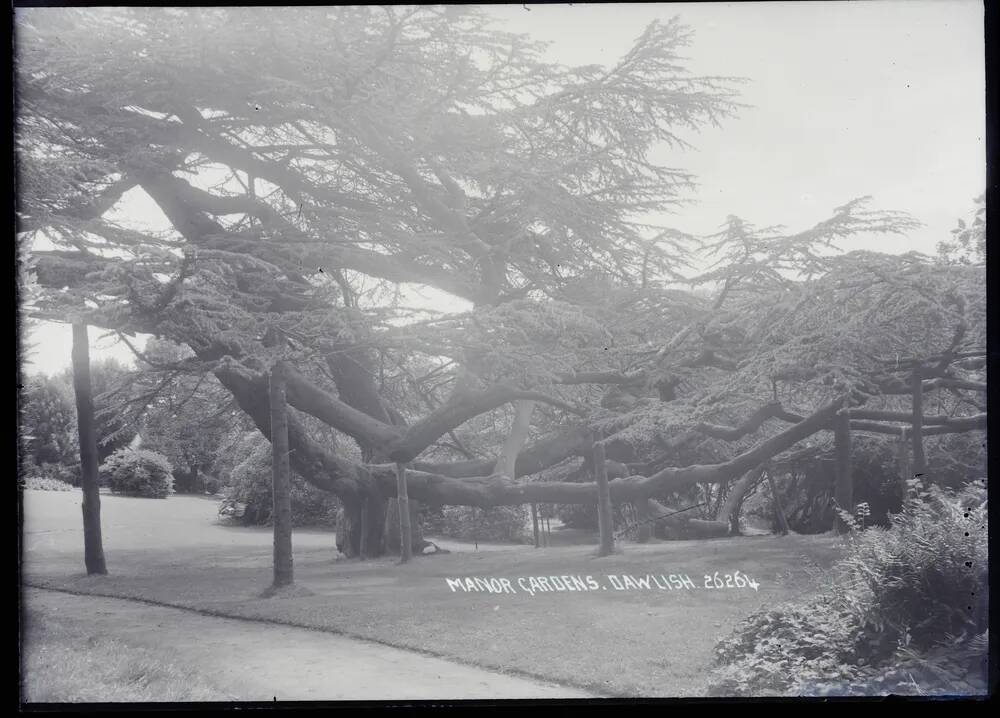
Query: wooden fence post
pixel 604 515
pixel 844 489
pixel 917 433
pixel 363 543
pixel 903 459
pixel 281 488
pixel 405 539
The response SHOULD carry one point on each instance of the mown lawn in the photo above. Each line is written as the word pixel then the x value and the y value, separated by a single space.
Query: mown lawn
pixel 61 662
pixel 633 642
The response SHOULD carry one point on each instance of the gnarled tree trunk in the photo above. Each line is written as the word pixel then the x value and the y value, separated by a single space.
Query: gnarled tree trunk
pixel 361 527
pixel 356 388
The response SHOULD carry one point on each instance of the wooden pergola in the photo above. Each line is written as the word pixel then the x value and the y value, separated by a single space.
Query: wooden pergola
pixel 912 427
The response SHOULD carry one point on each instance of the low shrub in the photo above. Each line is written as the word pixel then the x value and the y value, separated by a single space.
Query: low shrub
pixel 905 611
pixel 138 472
pixel 44 483
pixel 503 524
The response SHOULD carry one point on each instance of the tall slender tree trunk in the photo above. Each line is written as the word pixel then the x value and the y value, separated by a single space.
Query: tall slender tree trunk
pixel 281 485
pixel 93 549
pixel 604 514
pixel 917 432
pixel 844 488
pixel 534 525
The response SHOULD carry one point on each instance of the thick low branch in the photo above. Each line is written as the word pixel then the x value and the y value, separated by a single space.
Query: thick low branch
pixel 898 416
pixel 903 417
pixel 952 426
pixel 455 413
pixel 602 377
pixel 537 457
pixel 895 385
pixel 773 410
pixel 485 492
pixel 909 363
pixel 948 383
pixel 306 396
pixel 709 358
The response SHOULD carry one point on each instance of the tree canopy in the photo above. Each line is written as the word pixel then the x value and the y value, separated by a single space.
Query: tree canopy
pixel 319 167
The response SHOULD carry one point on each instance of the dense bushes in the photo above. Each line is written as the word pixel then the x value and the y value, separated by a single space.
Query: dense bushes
pixel 138 472
pixel 807 490
pixel 248 498
pixel 500 523
pixel 578 516
pixel 195 482
pixel 905 611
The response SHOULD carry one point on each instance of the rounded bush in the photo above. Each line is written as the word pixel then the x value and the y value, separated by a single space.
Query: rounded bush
pixel 133 472
pixel 247 497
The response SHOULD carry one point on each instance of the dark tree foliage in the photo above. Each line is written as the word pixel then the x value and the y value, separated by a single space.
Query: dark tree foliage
pixel 48 422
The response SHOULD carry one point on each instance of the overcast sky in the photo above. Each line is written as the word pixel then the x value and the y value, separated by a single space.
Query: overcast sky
pixel 877 97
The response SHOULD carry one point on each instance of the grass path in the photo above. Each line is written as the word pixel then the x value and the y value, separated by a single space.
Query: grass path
pixel 608 641
pixel 153 653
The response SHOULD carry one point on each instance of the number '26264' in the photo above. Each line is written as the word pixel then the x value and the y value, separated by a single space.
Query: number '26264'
pixel 730 580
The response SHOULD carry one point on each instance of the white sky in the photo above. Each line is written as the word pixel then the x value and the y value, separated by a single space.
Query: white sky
pixel 878 97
